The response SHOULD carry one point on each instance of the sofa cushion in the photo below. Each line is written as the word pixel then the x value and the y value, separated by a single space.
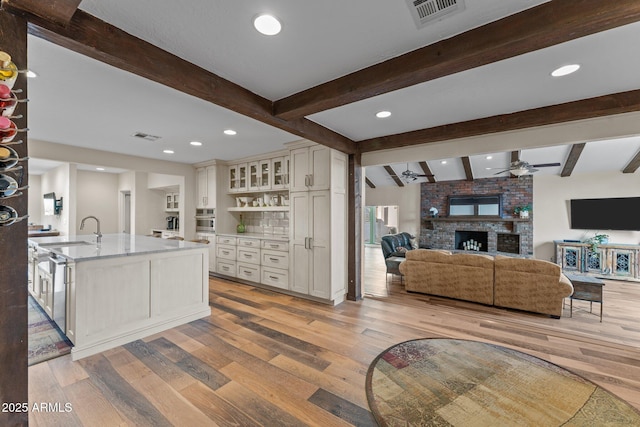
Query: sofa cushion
pixel 462 276
pixel 531 285
pixel 525 265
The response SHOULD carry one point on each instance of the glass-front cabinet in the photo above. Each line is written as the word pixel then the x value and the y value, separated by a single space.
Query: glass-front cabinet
pixel 280 173
pixel 259 175
pixel 238 177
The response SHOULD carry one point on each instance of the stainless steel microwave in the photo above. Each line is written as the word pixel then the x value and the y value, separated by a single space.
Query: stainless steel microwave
pixel 205 220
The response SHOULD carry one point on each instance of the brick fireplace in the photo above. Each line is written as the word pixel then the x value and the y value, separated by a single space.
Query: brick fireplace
pixel 506 233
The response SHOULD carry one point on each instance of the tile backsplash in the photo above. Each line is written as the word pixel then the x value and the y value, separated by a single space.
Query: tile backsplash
pixel 276 223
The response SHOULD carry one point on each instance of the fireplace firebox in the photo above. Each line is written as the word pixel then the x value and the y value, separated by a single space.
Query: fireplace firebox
pixel 472 240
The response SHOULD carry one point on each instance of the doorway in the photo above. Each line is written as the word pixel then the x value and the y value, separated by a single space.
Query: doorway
pixel 126 212
pixel 378 221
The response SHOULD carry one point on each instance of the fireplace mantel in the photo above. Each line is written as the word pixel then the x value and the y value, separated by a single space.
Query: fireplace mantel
pixel 474 219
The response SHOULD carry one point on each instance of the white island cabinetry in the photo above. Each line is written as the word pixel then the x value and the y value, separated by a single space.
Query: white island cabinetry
pixel 130 287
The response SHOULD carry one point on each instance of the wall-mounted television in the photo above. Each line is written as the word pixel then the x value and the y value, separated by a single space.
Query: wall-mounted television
pixel 52 206
pixel 617 213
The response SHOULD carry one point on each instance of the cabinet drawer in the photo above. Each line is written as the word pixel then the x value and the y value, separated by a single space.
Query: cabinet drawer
pixel 249 272
pixel 248 243
pixel 275 259
pixel 227 268
pixel 275 277
pixel 226 252
pixel 224 240
pixel 275 245
pixel 249 255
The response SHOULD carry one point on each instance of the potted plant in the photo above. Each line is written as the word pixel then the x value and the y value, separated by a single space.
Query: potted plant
pixel 523 210
pixel 598 239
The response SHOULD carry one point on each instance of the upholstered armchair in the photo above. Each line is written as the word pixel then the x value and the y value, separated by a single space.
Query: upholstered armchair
pixel 394 247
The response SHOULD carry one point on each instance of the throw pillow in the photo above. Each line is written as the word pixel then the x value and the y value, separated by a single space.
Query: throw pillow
pixel 414 243
pixel 401 249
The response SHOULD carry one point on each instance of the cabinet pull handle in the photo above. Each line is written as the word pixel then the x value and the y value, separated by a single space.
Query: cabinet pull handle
pixel 306 180
pixel 274 259
pixel 273 278
pixel 273 246
pixel 247 256
pixel 311 180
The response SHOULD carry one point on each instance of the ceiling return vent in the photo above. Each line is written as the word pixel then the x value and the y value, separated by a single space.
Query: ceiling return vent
pixel 425 11
pixel 146 136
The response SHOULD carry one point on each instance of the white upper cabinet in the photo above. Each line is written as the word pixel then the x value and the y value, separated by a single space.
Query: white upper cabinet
pixel 310 168
pixel 206 187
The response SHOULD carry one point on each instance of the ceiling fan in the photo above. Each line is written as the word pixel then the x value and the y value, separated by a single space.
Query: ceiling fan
pixel 410 175
pixel 520 168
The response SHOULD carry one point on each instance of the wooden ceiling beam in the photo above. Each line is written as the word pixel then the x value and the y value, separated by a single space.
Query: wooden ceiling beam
pixel 633 165
pixel 617 103
pixel 87 35
pixel 393 175
pixel 572 159
pixel 539 27
pixel 369 183
pixel 468 171
pixel 56 11
pixel 427 171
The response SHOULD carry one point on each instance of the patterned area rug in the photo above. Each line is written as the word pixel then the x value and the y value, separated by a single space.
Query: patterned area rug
pixel 45 339
pixel 444 382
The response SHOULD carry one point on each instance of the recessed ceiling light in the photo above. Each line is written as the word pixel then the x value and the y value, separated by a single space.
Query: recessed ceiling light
pixel 383 114
pixel 99 169
pixel 168 151
pixel 565 70
pixel 489 157
pixel 230 132
pixel 32 74
pixel 443 162
pixel 196 143
pixel 267 24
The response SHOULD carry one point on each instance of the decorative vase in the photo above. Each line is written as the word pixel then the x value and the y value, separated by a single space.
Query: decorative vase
pixel 241 228
pixel 524 214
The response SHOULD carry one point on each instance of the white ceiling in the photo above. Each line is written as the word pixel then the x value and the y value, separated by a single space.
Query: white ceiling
pixel 79 101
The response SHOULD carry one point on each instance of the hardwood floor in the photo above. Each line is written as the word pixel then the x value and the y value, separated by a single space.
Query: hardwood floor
pixel 264 358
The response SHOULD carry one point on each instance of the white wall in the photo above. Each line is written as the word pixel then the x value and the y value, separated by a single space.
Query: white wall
pixel 143 221
pixel 62 181
pixel 551 195
pixel 35 200
pixel 407 199
pixel 97 195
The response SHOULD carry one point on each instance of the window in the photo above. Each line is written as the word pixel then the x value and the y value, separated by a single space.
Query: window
pixel 490 205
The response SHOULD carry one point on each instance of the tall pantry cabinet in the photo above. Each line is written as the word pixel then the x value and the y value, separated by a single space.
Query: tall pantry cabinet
pixel 318 221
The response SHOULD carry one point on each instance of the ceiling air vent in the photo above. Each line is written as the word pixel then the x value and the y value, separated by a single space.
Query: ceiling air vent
pixel 424 11
pixel 146 136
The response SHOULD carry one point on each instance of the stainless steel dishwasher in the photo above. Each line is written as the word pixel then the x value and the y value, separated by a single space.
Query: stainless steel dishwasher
pixel 58 268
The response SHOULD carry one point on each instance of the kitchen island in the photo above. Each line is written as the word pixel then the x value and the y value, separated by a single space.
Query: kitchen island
pixel 126 287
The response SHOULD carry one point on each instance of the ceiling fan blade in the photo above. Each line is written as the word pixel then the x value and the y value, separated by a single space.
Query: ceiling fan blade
pixel 424 176
pixel 545 165
pixel 498 173
pixel 532 170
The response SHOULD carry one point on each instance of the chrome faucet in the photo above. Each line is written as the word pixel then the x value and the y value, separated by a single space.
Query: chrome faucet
pixel 97 233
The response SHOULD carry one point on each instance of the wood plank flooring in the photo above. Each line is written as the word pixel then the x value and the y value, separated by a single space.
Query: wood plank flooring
pixel 268 359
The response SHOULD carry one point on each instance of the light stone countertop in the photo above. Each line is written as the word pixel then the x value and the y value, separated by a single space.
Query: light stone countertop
pixel 112 245
pixel 280 237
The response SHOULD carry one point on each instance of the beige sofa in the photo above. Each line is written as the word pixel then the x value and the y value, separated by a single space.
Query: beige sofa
pixel 524 284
